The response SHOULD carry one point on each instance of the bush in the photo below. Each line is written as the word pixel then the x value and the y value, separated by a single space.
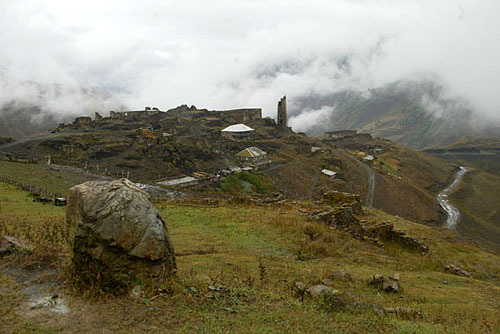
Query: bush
pixel 246 182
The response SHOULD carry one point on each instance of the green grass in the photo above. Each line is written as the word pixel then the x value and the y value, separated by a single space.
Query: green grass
pixel 41 225
pixel 36 174
pixel 237 264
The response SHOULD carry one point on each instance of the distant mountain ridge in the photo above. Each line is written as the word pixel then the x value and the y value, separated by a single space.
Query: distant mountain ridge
pixel 28 107
pixel 411 112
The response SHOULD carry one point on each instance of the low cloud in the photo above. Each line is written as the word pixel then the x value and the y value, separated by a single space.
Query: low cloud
pixel 309 118
pixel 229 54
pixel 59 102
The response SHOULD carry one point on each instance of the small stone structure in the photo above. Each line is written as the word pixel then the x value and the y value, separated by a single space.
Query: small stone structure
pixel 185 181
pixel 113 226
pixel 342 212
pixel 340 134
pixel 251 155
pixel 83 121
pixel 282 118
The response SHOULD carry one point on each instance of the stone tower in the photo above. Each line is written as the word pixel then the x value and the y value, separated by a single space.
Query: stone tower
pixel 282 118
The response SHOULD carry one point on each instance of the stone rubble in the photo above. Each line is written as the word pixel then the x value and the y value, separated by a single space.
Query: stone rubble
pixel 386 284
pixel 337 301
pixel 342 211
pixel 340 275
pixel 452 269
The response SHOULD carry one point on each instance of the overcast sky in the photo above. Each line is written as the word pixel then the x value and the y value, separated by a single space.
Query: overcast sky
pixel 230 54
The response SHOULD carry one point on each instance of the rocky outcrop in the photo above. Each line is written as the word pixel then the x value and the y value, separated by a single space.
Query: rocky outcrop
pixel 321 290
pixel 385 231
pixel 10 244
pixel 452 269
pixel 335 301
pixel 113 226
pixel 331 297
pixel 341 199
pixel 387 284
pixel 340 275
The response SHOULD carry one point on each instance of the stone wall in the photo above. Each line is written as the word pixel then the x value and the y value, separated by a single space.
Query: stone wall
pixel 340 134
pixel 342 211
pixel 239 115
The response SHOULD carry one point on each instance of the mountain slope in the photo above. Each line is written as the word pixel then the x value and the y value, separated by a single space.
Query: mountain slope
pixel 28 108
pixel 414 113
pixel 478 196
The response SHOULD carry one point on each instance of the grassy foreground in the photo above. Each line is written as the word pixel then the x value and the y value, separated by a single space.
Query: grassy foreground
pixel 236 267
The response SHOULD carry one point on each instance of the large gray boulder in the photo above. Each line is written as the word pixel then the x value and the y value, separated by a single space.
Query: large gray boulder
pixel 113 226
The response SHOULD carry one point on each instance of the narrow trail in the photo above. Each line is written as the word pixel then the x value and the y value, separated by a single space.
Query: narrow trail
pixel 453 213
pixel 370 194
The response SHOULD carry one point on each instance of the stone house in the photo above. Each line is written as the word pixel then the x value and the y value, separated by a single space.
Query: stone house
pixel 340 134
pixel 251 155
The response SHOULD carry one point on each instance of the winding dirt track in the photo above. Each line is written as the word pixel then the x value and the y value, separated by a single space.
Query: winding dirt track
pixel 453 213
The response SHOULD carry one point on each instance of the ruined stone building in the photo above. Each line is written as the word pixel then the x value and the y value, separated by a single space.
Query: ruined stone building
pixel 282 119
pixel 340 134
pixel 240 115
pixel 347 134
pixel 134 114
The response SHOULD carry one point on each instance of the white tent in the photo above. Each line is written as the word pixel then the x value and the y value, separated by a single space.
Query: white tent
pixel 237 128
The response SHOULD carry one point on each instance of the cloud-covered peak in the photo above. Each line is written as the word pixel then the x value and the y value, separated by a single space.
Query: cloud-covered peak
pixel 229 54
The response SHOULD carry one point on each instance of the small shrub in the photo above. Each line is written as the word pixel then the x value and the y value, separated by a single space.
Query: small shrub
pixel 246 182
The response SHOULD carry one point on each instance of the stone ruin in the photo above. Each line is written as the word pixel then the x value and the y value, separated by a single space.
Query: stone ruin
pixel 282 117
pixel 454 270
pixel 113 226
pixel 342 210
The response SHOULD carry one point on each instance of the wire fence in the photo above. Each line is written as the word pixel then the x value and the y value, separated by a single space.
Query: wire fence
pixel 90 166
pixel 35 190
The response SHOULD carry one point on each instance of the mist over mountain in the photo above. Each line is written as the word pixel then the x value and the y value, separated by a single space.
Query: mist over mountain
pixel 28 107
pixel 415 112
pixel 324 55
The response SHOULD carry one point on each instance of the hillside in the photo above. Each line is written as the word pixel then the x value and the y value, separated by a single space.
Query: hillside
pixel 478 196
pixel 237 265
pixel 187 141
pixel 416 113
